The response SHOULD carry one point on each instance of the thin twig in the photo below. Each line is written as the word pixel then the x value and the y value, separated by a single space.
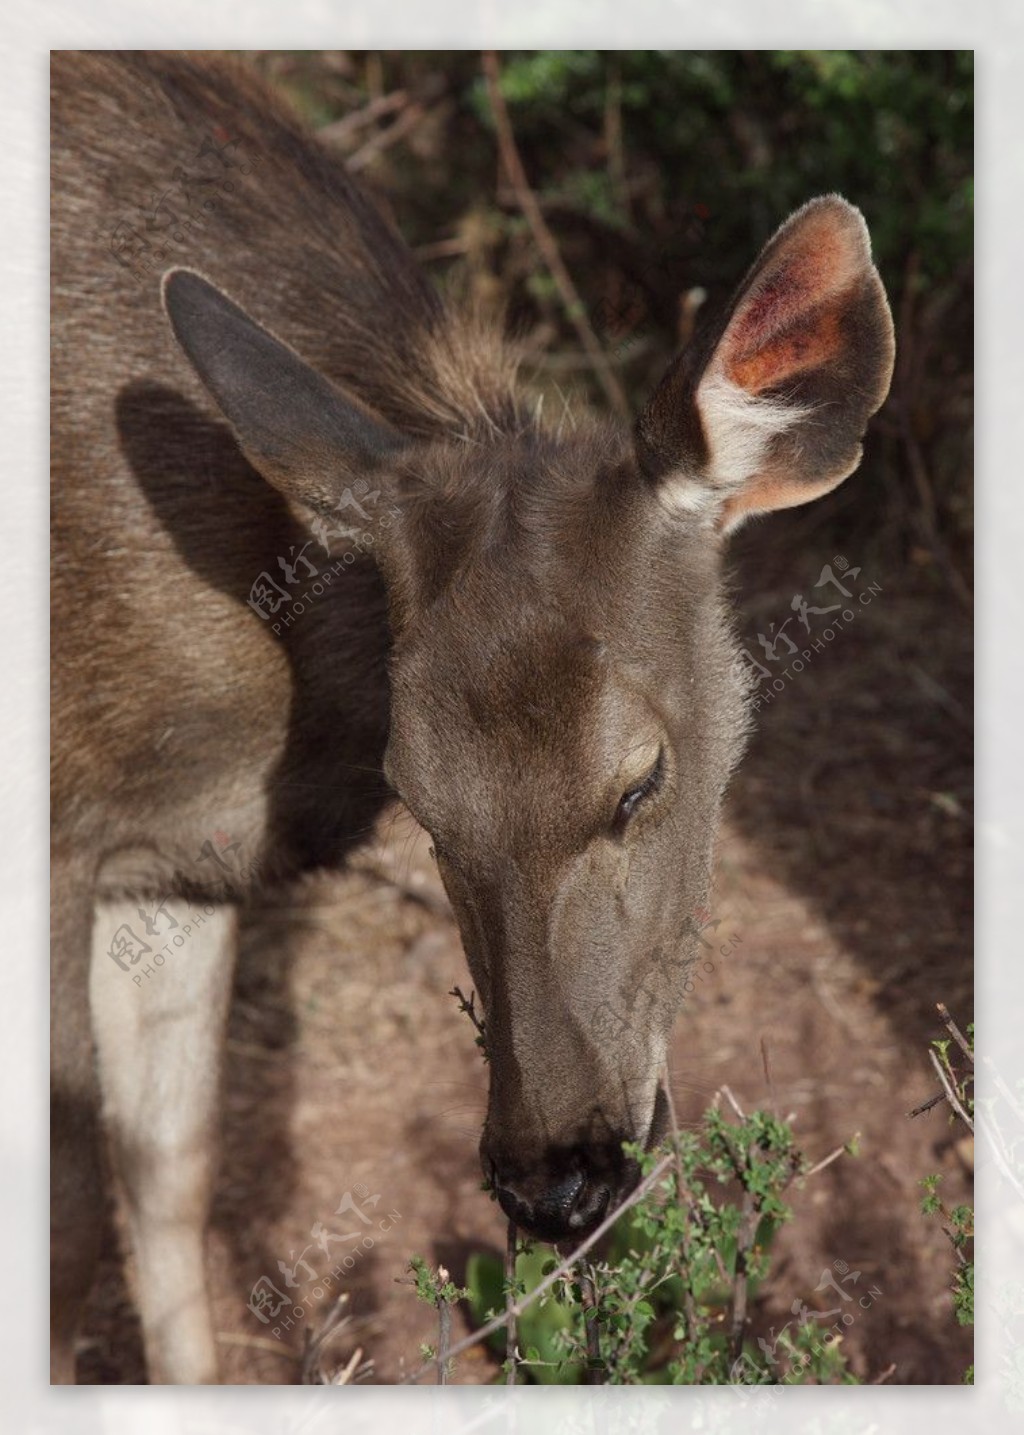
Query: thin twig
pixel 704 1221
pixel 741 1165
pixel 345 1377
pixel 557 1274
pixel 336 1321
pixel 595 1374
pixel 955 1031
pixel 467 1004
pixel 956 1249
pixel 727 1093
pixel 964 1046
pixel 827 1161
pixel 768 1077
pixel 377 143
pixel 689 1309
pixel 927 1105
pixel 918 468
pixel 951 1095
pixel 613 139
pixel 511 1333
pixel 545 240
pixel 444 1333
pixel 341 129
pixel 881 1379
pixel 441 249
pixel 744 1241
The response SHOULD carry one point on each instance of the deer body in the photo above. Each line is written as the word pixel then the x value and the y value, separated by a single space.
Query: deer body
pixel 535 651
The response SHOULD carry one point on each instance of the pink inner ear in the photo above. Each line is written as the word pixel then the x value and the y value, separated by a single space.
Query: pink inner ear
pixel 791 322
pixel 810 342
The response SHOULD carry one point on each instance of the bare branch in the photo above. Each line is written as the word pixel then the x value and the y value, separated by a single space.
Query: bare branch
pixel 467 1004
pixel 955 1032
pixel 726 1092
pixel 511 1333
pixel 951 1095
pixel 827 1160
pixel 744 1241
pixel 377 143
pixel 768 1077
pixel 444 1329
pixel 339 130
pixel 927 1105
pixel 545 240
pixel 683 1193
pixel 596 1373
pixel 314 1365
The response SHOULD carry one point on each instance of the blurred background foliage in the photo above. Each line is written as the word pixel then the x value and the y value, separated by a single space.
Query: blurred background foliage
pixel 659 174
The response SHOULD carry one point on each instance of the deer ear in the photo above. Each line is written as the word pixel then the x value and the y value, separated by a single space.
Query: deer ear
pixel 769 409
pixel 304 435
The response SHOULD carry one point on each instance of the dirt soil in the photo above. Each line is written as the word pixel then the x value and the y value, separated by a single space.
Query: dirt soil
pixel 844 870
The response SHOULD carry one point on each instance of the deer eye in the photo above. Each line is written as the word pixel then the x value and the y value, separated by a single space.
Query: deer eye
pixel 631 800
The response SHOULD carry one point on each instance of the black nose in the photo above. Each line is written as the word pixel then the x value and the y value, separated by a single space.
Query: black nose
pixel 568 1209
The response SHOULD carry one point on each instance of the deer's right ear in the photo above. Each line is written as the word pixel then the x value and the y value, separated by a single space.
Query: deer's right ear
pixel 769 408
pixel 304 435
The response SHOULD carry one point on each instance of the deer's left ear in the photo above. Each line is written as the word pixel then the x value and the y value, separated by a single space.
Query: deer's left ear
pixel 768 409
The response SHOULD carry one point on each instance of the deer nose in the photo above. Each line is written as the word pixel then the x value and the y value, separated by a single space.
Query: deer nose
pixel 568 1209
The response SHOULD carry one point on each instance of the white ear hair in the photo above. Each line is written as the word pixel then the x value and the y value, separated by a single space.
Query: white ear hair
pixel 739 428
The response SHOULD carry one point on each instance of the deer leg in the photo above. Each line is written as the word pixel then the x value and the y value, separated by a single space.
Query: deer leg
pixel 160 1034
pixel 76 1170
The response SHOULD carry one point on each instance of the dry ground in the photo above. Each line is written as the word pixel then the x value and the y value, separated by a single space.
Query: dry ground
pixel 844 868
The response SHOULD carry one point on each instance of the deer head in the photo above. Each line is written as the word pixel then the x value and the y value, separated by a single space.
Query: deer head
pixel 566 708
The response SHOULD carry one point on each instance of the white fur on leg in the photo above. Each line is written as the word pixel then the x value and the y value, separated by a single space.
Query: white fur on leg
pixel 159 1033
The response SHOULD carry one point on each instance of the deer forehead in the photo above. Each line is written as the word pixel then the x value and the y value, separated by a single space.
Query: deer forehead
pixel 562 735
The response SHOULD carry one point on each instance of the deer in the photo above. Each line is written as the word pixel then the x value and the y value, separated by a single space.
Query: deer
pixel 518 629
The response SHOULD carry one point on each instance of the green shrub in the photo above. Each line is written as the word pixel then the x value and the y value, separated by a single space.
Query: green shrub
pixel 672 1287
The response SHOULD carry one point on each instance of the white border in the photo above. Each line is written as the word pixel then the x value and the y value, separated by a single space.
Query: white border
pixel 994 29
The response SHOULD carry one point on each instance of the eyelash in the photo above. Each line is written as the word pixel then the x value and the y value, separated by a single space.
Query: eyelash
pixel 632 799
